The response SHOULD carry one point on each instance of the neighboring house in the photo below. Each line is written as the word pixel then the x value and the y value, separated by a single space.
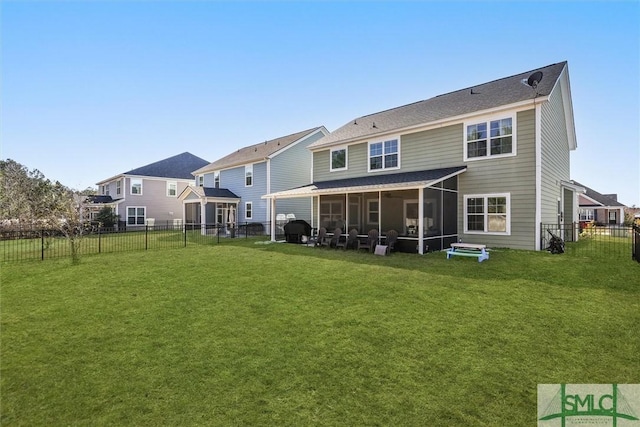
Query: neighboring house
pixel 600 208
pixel 230 190
pixel 148 194
pixel 487 164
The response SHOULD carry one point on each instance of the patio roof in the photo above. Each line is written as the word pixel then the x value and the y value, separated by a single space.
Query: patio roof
pixel 372 182
pixel 210 194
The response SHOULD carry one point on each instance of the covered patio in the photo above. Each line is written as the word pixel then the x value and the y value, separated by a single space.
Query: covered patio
pixel 421 206
pixel 210 208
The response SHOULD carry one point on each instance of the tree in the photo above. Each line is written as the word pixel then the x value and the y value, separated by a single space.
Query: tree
pixel 106 217
pixel 30 200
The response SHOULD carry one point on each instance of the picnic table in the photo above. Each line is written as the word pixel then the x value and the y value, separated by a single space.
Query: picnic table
pixel 468 249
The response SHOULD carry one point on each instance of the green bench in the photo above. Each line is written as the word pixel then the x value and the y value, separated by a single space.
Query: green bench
pixel 468 249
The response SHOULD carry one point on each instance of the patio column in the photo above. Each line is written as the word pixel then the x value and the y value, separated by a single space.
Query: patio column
pixel 272 219
pixel 421 221
pixel 203 217
pixel 380 213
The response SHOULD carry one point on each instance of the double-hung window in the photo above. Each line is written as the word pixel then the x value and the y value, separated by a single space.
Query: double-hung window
pixel 172 188
pixel 135 215
pixel 489 138
pixel 136 186
pixel 248 210
pixel 216 179
pixel 118 187
pixel 200 180
pixel 373 211
pixel 384 155
pixel 339 159
pixel 248 175
pixel 487 213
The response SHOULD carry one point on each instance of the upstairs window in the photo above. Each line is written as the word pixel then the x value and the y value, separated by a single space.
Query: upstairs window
pixel 248 175
pixel 490 138
pixel 216 179
pixel 136 186
pixel 172 188
pixel 338 159
pixel 384 155
pixel 118 187
pixel 200 180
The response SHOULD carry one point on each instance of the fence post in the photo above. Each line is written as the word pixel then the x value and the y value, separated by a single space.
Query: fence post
pixel 146 237
pixel 99 240
pixel 185 234
pixel 41 245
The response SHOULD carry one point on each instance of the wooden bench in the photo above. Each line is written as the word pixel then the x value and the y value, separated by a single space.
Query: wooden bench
pixel 468 249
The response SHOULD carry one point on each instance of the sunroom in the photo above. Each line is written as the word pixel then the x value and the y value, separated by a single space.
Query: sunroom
pixel 422 206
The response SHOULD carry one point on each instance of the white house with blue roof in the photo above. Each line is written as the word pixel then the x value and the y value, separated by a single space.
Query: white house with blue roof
pixel 148 195
pixel 487 164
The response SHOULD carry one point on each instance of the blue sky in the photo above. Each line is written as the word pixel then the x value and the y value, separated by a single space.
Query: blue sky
pixel 93 89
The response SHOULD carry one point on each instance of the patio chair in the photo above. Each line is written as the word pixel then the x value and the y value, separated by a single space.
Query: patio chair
pixel 392 239
pixel 352 241
pixel 371 242
pixel 320 238
pixel 335 240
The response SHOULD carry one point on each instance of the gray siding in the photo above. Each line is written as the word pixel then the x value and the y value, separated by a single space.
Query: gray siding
pixel 514 175
pixel 290 169
pixel 154 198
pixel 555 155
pixel 233 180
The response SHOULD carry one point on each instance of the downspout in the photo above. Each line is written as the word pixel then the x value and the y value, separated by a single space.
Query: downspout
pixel 538 154
pixel 421 221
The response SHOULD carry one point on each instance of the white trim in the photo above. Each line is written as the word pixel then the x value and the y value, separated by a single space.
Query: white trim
pixel 486 214
pixel 382 141
pixel 248 168
pixel 131 182
pixel 312 190
pixel 246 209
pixel 144 217
pixel 168 187
pixel 486 119
pixel 346 158
pixel 321 129
pixel 538 177
pixel 449 121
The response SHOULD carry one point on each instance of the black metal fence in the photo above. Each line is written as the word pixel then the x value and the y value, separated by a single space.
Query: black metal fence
pixel 592 240
pixel 40 244
pixel 635 246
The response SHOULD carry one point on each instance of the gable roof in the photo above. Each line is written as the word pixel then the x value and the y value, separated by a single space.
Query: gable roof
pixel 209 193
pixel 599 199
pixel 486 96
pixel 179 166
pixel 256 152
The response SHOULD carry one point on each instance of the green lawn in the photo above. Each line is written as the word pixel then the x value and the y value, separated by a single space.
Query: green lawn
pixel 273 334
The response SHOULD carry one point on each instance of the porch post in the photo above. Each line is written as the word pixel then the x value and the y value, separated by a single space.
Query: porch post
pixel 203 217
pixel 421 221
pixel 272 220
pixel 346 213
pixel 379 213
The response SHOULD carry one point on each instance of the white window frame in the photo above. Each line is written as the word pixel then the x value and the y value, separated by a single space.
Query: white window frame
pixel 131 187
pixel 373 211
pixel 118 187
pixel 383 155
pixel 346 159
pixel 248 210
pixel 248 173
pixel 144 216
pixel 216 179
pixel 200 180
pixel 487 121
pixel 173 184
pixel 486 214
pixel 586 214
